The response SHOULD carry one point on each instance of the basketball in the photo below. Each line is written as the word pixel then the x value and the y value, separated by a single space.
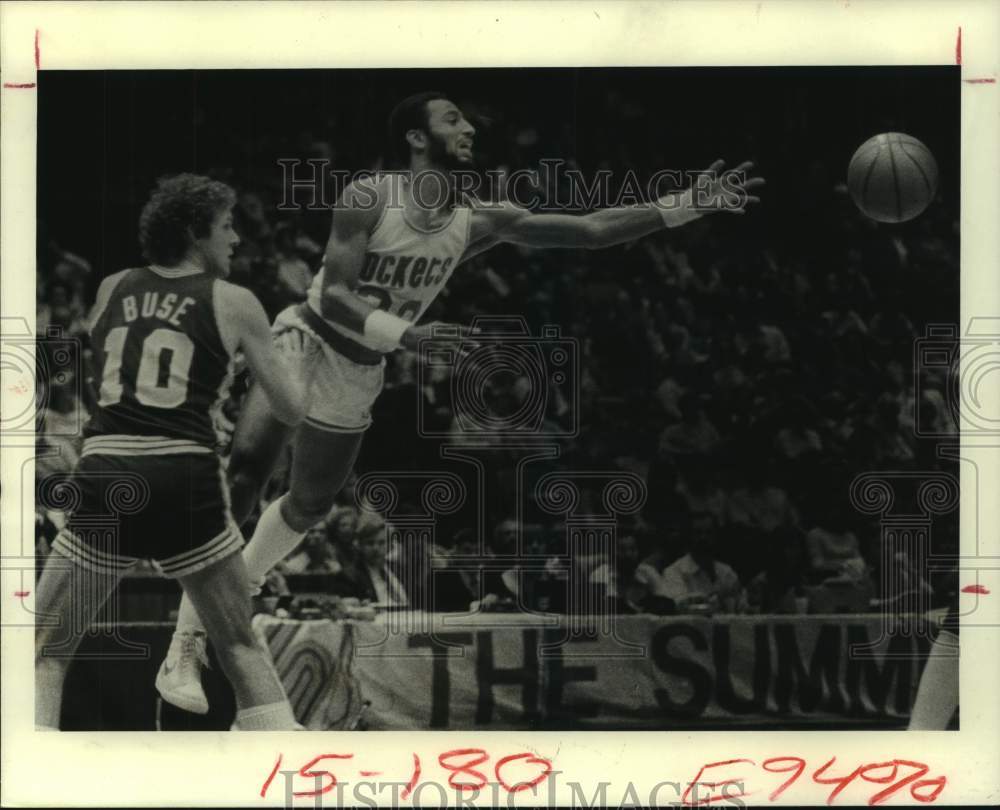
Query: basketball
pixel 892 177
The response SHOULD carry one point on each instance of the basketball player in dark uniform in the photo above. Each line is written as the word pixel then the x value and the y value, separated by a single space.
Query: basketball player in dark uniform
pixel 149 484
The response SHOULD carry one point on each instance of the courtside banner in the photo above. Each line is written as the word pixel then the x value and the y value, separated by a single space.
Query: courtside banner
pixel 503 672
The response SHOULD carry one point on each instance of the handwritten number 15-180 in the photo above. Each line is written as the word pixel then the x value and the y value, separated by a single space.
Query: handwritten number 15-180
pixel 462 765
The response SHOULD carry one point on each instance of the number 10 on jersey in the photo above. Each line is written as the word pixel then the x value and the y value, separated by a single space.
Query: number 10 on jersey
pixel 161 380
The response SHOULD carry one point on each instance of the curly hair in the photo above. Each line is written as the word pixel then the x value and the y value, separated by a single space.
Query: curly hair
pixel 179 206
pixel 410 113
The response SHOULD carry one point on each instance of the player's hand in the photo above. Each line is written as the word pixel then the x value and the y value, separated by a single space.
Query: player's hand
pixel 297 347
pixel 730 190
pixel 301 354
pixel 224 430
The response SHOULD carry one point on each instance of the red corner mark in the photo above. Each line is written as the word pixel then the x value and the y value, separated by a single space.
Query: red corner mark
pixel 21 594
pixel 958 47
pixel 27 85
pixel 980 589
pixel 980 81
pixel 270 778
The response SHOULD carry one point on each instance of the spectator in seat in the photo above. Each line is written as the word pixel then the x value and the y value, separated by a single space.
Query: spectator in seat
pixel 756 502
pixel 697 579
pixel 798 439
pixel 316 555
pixel 617 575
pixel 367 573
pixel 341 525
pixel 470 585
pixel 698 486
pixel 833 553
pixel 694 433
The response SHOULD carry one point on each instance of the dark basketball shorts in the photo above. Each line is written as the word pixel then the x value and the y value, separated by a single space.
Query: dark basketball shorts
pixel 170 509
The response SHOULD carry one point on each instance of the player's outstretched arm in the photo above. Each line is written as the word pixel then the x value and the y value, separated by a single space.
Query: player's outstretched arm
pixel 728 191
pixel 285 377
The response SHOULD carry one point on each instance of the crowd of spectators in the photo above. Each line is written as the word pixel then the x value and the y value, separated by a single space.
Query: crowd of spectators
pixel 747 378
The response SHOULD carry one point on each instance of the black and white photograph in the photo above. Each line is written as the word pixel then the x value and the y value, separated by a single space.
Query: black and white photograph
pixel 506 382
pixel 530 399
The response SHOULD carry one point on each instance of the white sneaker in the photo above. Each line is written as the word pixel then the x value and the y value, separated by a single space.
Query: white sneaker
pixel 179 678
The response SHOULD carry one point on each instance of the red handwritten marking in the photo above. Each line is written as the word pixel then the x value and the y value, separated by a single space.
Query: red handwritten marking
pixel 882 795
pixel 519 786
pixel 980 589
pixel 980 81
pixel 21 594
pixel 26 85
pixel 938 782
pixel 474 757
pixel 267 782
pixel 685 799
pixel 840 781
pixel 798 768
pixel 958 47
pixel 308 774
pixel 865 773
pixel 891 773
pixel 414 779
pixel 479 756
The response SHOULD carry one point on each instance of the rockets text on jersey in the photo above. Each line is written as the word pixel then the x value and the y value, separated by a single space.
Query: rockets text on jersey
pixel 405 267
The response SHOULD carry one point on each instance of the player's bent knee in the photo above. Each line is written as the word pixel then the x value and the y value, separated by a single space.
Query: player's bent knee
pixel 244 492
pixel 307 512
pixel 252 464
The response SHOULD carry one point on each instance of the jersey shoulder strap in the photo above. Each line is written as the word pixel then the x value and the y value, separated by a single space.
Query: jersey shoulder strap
pixel 104 293
pixel 226 311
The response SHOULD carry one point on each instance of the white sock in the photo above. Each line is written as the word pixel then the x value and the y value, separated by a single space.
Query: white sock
pixel 937 695
pixel 272 541
pixel 187 618
pixel 270 717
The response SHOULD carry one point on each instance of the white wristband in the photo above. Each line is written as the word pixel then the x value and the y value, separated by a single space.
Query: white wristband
pixel 677 209
pixel 385 329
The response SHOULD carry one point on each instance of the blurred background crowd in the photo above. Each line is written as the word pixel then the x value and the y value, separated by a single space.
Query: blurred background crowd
pixel 746 369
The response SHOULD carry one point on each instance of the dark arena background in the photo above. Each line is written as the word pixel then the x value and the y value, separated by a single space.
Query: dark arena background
pixel 745 378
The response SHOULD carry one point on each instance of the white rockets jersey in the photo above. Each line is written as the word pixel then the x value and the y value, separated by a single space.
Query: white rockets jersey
pixel 405 267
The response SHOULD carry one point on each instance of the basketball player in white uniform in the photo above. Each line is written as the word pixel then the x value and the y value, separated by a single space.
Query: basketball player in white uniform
pixel 388 257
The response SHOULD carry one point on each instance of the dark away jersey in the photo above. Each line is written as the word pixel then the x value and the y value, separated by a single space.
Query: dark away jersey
pixel 161 363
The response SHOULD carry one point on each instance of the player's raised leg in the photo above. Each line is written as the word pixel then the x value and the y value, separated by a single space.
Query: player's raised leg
pixel 219 593
pixel 67 599
pixel 321 464
pixel 258 442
